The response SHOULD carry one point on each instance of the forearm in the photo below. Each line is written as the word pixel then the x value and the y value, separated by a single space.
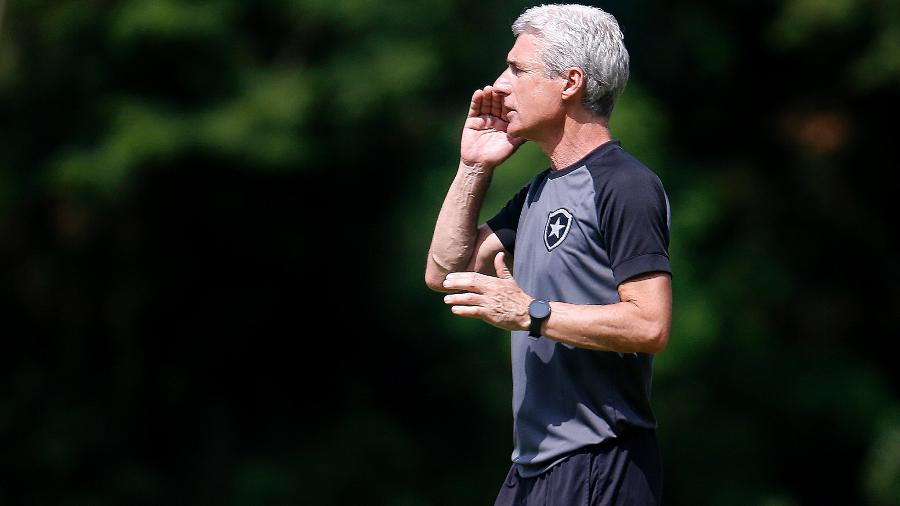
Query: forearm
pixel 623 327
pixel 456 229
pixel 639 323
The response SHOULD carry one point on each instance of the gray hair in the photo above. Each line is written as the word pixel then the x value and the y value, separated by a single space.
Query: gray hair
pixel 584 37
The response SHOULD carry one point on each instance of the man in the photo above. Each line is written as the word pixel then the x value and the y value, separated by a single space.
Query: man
pixel 590 302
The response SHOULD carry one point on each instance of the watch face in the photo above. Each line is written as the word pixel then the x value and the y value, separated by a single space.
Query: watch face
pixel 539 309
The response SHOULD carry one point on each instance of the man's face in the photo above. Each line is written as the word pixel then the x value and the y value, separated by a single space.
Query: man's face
pixel 534 101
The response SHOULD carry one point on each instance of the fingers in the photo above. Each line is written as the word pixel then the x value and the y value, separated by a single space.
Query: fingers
pixel 487 101
pixel 485 122
pixel 475 105
pixel 480 123
pixel 465 304
pixel 496 103
pixel 500 266
pixel 464 282
pixel 463 299
pixel 467 311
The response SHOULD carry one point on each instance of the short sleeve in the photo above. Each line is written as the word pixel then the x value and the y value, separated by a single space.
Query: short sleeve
pixel 506 221
pixel 634 216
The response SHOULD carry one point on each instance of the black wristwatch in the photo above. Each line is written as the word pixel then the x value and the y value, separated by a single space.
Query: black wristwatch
pixel 538 310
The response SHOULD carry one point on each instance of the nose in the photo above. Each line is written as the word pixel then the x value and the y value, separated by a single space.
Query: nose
pixel 503 84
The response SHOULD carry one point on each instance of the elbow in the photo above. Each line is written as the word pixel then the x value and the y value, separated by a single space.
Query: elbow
pixel 436 270
pixel 656 339
pixel 657 345
pixel 434 281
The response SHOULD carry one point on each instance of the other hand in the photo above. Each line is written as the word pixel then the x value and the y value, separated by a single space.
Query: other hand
pixel 496 300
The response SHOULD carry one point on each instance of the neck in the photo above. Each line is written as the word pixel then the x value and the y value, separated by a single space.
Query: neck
pixel 581 133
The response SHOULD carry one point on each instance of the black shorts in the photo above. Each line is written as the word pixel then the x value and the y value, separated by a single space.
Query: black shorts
pixel 617 472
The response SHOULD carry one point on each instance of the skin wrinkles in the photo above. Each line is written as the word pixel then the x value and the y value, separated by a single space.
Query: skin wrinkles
pixel 497 299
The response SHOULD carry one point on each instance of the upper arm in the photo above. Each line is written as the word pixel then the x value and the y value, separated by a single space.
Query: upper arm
pixel 634 224
pixel 487 245
pixel 498 234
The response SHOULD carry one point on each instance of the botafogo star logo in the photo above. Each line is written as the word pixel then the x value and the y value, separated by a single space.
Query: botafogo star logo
pixel 557 228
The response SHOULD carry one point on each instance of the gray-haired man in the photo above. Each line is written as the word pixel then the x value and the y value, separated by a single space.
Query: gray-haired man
pixel 591 299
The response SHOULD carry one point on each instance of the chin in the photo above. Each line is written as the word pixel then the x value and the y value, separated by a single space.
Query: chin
pixel 516 131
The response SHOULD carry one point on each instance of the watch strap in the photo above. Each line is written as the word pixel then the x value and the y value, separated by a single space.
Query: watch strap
pixel 534 328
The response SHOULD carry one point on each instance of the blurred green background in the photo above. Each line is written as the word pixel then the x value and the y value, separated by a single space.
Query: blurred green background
pixel 214 217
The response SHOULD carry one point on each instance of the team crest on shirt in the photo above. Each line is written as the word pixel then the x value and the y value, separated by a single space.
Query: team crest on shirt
pixel 558 224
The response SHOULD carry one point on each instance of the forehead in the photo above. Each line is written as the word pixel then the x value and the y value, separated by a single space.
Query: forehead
pixel 525 49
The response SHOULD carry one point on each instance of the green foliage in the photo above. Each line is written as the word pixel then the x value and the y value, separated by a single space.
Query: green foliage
pixel 882 476
pixel 214 217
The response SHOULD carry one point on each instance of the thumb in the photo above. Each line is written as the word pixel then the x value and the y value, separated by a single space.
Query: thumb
pixel 500 266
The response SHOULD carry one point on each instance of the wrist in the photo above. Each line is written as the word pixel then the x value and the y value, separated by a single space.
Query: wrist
pixel 476 167
pixel 538 313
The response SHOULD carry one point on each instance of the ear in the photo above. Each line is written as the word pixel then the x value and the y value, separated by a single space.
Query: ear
pixel 574 82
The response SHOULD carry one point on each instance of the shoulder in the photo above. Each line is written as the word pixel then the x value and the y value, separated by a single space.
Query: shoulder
pixel 616 171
